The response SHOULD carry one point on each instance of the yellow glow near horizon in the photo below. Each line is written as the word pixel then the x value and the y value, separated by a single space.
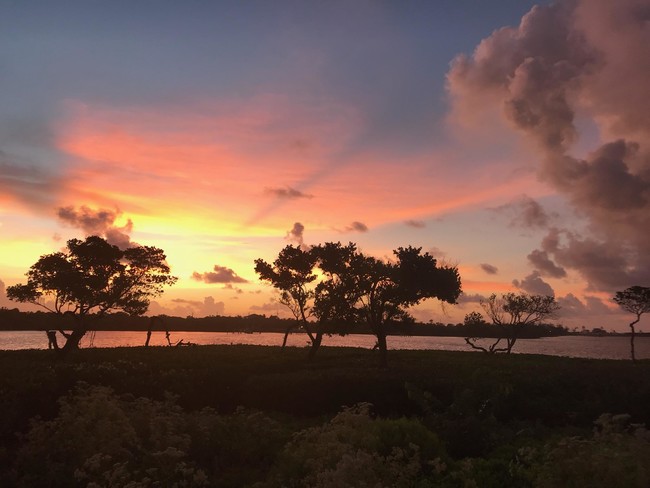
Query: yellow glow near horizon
pixel 17 255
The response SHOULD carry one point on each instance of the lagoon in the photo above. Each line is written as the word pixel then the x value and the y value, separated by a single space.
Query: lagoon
pixel 609 347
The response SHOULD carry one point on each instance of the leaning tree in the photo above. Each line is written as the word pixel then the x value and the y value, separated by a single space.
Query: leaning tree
pixel 292 273
pixel 635 300
pixel 512 312
pixel 92 278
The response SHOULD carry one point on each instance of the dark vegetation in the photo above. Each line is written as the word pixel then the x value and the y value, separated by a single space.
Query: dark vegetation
pixel 329 289
pixel 13 319
pixel 263 416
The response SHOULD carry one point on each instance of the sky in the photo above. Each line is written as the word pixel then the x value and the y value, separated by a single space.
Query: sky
pixel 509 138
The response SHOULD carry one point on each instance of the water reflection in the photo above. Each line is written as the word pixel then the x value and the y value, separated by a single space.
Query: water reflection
pixel 572 346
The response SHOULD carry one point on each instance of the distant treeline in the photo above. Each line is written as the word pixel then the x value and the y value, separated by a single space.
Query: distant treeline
pixel 13 319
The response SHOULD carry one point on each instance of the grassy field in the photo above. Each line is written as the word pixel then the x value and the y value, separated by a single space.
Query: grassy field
pixel 263 416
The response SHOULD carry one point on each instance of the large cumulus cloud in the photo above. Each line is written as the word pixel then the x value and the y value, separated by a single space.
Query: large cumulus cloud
pixel 566 61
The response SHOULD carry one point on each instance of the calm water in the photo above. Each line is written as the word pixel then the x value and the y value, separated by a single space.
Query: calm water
pixel 572 346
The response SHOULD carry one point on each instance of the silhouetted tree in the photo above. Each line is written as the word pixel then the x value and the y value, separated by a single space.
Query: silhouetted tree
pixel 635 300
pixel 92 278
pixel 355 288
pixel 292 273
pixel 377 292
pixel 473 318
pixel 511 313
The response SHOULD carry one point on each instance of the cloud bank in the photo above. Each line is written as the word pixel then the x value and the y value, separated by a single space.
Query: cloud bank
pixel 567 61
pixel 181 307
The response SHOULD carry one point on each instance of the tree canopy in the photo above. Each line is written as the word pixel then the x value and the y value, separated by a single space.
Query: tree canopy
pixel 94 277
pixel 635 299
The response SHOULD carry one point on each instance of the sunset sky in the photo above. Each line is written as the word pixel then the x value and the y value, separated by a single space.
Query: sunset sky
pixel 508 138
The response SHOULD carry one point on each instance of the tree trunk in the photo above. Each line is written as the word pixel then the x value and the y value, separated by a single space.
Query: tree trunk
pixel 632 341
pixel 383 349
pixel 152 324
pixel 286 334
pixel 315 345
pixel 73 340
pixel 149 331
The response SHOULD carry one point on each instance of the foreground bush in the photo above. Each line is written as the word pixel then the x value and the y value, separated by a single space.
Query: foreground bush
pixel 618 454
pixel 102 439
pixel 354 449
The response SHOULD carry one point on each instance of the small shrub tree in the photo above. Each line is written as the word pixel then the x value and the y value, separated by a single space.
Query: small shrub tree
pixel 474 318
pixel 635 300
pixel 511 312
